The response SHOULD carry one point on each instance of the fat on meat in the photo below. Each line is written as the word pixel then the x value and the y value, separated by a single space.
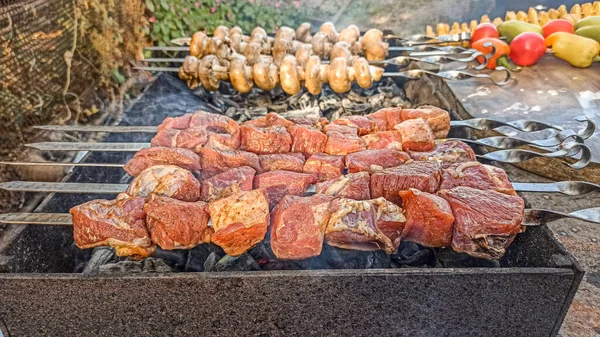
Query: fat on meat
pixel 383 140
pixel 362 124
pixel 215 161
pixel 476 175
pixel 390 220
pixel 227 183
pixel 298 226
pixel 166 181
pixel 119 223
pixel 375 160
pixel 437 118
pixel 429 219
pixel 342 140
pixel 239 221
pixel 416 135
pixel 351 186
pixel 485 222
pixel 447 153
pixel 324 166
pixel 153 156
pixel 423 176
pixel 270 119
pixel 387 118
pixel 175 224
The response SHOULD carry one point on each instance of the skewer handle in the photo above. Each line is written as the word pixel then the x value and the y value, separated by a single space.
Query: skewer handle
pixel 537 217
pixel 571 188
pixel 518 156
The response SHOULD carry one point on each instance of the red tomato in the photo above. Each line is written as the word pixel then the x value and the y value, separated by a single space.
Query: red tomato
pixel 484 30
pixel 527 48
pixel 558 26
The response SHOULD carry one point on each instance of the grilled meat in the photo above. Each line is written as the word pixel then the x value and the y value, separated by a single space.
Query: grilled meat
pixel 476 175
pixel 227 183
pixel 191 138
pixel 240 221
pixel 272 139
pixel 175 224
pixel 269 120
pixel 278 184
pixel 342 140
pixel 375 160
pixel 386 118
pixel 447 153
pixel 153 156
pixel 119 223
pixel 215 161
pixel 438 119
pixel 390 220
pixel 282 161
pixel 166 181
pixel 298 226
pixel 383 140
pixel 362 124
pixel 485 222
pixel 307 139
pixel 423 176
pixel 324 166
pixel 416 135
pixel 351 186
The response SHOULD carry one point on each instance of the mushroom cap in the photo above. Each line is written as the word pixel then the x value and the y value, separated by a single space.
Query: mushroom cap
pixel 374 47
pixel 349 34
pixel 320 44
pixel 236 30
pixel 198 44
pixel 206 74
pixel 258 30
pixel 190 65
pixel 264 73
pixel 329 29
pixel 288 75
pixel 362 72
pixel 303 52
pixel 252 52
pixel 341 49
pixel 303 32
pixel 312 75
pixel 339 79
pixel 286 33
pixel 281 48
pixel 240 74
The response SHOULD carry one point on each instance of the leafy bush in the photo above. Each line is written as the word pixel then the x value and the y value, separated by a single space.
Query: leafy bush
pixel 180 18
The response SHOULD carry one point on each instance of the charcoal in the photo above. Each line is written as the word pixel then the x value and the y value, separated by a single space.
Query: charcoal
pixel 5 263
pixel 262 252
pixel 331 102
pixel 447 258
pixel 196 258
pixel 148 265
pixel 355 108
pixel 99 256
pixel 244 262
pixel 307 100
pixel 211 261
pixel 338 258
pixel 176 259
pixel 410 254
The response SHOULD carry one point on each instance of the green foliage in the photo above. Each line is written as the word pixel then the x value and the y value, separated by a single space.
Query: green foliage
pixel 180 18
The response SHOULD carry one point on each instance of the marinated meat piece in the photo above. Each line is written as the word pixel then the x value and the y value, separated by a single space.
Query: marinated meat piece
pixel 375 160
pixel 485 222
pixel 447 153
pixel 166 181
pixel 324 166
pixel 277 184
pixel 422 175
pixel 416 135
pixel 227 183
pixel 351 186
pixel 307 140
pixel 192 138
pixel 390 220
pixel 282 161
pixel 274 139
pixel 342 140
pixel 362 124
pixel 224 140
pixel 476 175
pixel 298 226
pixel 318 123
pixel 387 118
pixel 438 119
pixel 119 223
pixel 239 221
pixel 429 219
pixel 177 123
pixel 353 225
pixel 152 156
pixel 215 161
pixel 175 224
pixel 270 119
pixel 222 131
pixel 383 140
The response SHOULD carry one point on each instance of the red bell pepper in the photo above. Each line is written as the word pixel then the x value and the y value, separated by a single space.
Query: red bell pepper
pixel 527 48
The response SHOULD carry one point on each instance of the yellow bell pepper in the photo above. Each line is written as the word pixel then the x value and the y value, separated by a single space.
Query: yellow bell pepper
pixel 577 50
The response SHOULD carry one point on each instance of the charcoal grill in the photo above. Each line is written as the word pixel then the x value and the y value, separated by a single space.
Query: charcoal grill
pixel 527 293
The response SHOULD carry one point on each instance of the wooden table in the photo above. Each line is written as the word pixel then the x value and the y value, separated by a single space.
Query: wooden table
pixel 551 91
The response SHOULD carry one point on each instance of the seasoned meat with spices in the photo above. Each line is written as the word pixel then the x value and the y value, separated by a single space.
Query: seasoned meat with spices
pixel 351 186
pixel 167 181
pixel 423 176
pixel 375 160
pixel 153 156
pixel 476 175
pixel 324 166
pixel 282 161
pixel 215 161
pixel 227 183
pixel 447 153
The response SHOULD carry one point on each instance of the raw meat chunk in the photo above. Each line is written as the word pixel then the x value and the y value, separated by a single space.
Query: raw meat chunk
pixel 277 184
pixel 166 181
pixel 273 139
pixel 318 123
pixel 177 123
pixel 227 183
pixel 270 119
pixel 416 135
pixel 387 118
pixel 438 119
pixel 119 223
pixel 390 220
pixel 375 160
pixel 424 176
pixel 239 221
pixel 282 161
pixel 324 166
pixel 298 226
pixel 383 140
pixel 429 219
pixel 476 175
pixel 342 140
pixel 307 139
pixel 485 222
pixel 447 153
pixel 351 186
pixel 215 161
pixel 222 131
pixel 192 138
pixel 223 140
pixel 175 224
pixel 152 156
pixel 353 225
pixel 362 124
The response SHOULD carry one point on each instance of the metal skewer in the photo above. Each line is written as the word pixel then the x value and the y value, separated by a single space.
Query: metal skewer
pixel 518 156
